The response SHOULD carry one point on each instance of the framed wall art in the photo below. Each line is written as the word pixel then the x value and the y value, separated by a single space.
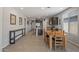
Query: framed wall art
pixel 20 20
pixel 28 22
pixel 24 21
pixel 12 19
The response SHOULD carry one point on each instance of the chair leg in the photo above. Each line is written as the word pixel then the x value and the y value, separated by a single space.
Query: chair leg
pixel 55 46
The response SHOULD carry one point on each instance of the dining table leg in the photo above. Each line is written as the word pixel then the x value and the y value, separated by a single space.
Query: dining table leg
pixel 50 42
pixel 65 45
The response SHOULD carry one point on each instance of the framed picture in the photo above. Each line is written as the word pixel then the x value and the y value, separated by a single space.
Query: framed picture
pixel 12 19
pixel 28 22
pixel 24 21
pixel 20 20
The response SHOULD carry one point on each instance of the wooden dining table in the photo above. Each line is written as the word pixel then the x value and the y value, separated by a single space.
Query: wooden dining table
pixel 50 33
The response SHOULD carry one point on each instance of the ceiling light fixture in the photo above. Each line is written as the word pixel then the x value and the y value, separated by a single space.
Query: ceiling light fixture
pixel 48 7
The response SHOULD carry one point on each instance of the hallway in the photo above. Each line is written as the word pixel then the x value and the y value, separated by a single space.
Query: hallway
pixel 15 22
pixel 31 43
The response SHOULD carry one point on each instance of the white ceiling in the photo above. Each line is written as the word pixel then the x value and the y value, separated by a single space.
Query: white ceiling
pixel 41 12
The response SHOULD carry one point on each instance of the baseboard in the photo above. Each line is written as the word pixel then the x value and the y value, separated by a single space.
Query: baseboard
pixel 75 44
pixel 5 47
pixel 11 44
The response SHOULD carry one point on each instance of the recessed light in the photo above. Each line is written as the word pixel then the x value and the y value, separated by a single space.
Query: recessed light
pixel 21 8
pixel 48 7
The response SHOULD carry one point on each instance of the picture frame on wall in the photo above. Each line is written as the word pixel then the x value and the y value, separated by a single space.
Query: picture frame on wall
pixel 20 20
pixel 12 19
pixel 24 21
pixel 28 22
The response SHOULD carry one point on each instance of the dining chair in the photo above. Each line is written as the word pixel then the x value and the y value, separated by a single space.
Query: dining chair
pixel 59 39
